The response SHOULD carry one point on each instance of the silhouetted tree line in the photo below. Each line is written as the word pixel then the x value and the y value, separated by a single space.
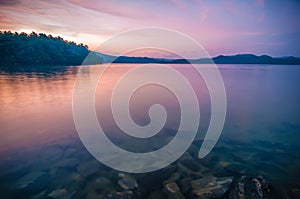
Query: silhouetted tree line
pixel 39 49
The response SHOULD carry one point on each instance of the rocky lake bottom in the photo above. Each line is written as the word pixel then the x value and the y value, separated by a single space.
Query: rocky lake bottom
pixel 233 170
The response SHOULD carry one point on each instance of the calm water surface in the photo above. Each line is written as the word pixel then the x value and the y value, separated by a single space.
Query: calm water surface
pixel 40 150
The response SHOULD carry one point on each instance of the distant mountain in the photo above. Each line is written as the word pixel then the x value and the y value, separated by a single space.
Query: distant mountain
pixel 39 49
pixel 221 59
pixel 94 56
pixel 253 59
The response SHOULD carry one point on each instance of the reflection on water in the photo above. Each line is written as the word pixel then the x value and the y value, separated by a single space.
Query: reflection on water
pixel 35 105
pixel 42 156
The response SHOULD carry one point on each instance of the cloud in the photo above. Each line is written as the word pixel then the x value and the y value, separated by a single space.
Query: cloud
pixel 260 3
pixel 8 2
pixel 233 24
pixel 115 8
pixel 179 4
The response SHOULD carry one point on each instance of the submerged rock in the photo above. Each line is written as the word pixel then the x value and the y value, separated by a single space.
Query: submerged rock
pixel 102 182
pixel 185 185
pixel 152 179
pixel 173 191
pixel 94 195
pixel 121 195
pixel 250 188
pixel 62 194
pixel 59 193
pixel 67 163
pixel 98 185
pixel 33 181
pixel 127 182
pixel 174 177
pixel 40 195
pixel 156 195
pixel 88 168
pixel 211 187
pixel 188 161
pixel 97 188
pixel 294 193
pixel 186 172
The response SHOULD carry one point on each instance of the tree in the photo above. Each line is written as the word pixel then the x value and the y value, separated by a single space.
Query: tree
pixel 39 49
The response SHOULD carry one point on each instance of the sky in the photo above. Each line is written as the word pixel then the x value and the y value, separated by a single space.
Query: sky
pixel 222 27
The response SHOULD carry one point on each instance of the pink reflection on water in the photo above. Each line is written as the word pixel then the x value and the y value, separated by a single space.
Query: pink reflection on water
pixel 36 108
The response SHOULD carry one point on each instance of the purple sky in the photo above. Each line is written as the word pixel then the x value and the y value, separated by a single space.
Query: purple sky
pixel 223 27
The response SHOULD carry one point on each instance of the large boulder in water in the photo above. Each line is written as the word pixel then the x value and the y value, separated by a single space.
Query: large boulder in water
pixel 173 191
pixel 127 182
pixel 211 187
pixel 250 188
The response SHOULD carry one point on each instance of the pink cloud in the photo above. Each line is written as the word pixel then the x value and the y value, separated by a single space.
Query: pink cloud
pixel 179 4
pixel 115 8
pixel 231 26
pixel 260 3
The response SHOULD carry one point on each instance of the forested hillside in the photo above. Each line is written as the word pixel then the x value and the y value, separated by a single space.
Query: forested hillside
pixel 39 49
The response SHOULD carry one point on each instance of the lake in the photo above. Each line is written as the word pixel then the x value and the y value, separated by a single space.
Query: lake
pixel 43 157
